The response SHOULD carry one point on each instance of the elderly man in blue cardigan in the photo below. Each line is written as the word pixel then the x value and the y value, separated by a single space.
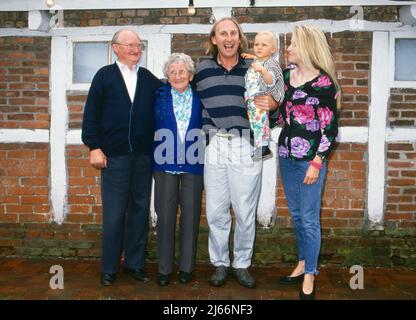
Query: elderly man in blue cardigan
pixel 118 128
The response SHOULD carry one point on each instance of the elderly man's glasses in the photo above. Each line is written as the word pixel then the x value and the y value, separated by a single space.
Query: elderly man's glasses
pixel 141 46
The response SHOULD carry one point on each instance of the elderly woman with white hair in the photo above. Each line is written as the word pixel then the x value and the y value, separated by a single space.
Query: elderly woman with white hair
pixel 178 168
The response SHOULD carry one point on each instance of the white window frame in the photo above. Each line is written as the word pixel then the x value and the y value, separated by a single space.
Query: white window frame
pixel 158 49
pixel 393 82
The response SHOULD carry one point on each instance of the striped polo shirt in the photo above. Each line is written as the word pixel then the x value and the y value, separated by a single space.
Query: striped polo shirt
pixel 222 95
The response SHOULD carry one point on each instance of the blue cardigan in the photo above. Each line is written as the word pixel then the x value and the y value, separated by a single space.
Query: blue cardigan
pixel 112 122
pixel 172 157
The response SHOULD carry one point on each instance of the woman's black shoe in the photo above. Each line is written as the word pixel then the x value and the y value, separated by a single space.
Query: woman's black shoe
pixel 310 296
pixel 163 279
pixel 292 280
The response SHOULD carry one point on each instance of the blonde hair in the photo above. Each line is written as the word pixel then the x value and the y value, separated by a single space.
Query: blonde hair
pixel 212 48
pixel 314 50
pixel 268 34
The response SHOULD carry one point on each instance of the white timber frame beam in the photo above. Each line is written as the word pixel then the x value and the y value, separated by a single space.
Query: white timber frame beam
pixel 59 128
pixel 380 92
pixel 24 135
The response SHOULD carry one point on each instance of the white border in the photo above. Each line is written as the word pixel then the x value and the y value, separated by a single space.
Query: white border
pixel 26 5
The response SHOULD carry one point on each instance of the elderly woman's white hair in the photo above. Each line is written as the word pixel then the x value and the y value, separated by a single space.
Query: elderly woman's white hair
pixel 177 58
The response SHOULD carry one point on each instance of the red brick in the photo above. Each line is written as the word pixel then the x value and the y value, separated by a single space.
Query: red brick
pixel 398 164
pixel 18 154
pixel 407 224
pixel 41 208
pixel 406 173
pixel 81 200
pixel 10 243
pixel 398 216
pixel 399 199
pixel 401 182
pixel 11 208
pixel 80 208
pixel 334 223
pixel 84 181
pixel 78 162
pixel 9 217
pixel 358 184
pixel 349 214
pixel 74 172
pixel 82 218
pixel 33 218
pixel 407 207
pixel 357 203
pixel 400 146
pixel 355 90
pixel 327 213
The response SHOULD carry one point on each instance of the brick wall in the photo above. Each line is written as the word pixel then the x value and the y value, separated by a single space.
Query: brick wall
pixel 24 176
pixel 194 45
pixel 402 109
pixel 134 17
pixel 343 200
pixel 400 207
pixel 76 102
pixel 24 82
pixel 84 197
pixel 400 211
pixel 13 19
pixel 243 15
pixel 293 14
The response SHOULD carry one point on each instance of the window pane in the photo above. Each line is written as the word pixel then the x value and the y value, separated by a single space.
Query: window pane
pixel 405 66
pixel 88 58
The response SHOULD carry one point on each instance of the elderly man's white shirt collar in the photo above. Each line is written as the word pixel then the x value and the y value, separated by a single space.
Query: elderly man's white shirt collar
pixel 124 67
pixel 130 77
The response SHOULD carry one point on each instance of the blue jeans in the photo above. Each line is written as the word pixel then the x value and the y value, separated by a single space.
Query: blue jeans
pixel 304 202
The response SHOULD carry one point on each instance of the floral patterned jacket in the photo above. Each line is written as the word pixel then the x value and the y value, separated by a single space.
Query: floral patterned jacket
pixel 309 117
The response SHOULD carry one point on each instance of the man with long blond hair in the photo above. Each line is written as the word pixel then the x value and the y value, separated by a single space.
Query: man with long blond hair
pixel 231 177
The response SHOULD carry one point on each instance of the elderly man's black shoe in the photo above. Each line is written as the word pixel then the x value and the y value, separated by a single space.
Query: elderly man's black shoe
pixel 138 274
pixel 184 277
pixel 163 279
pixel 107 279
pixel 292 280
